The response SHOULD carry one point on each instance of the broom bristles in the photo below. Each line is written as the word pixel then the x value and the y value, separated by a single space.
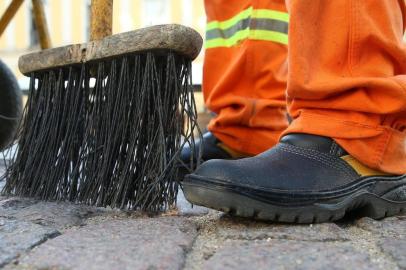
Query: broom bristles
pixel 115 144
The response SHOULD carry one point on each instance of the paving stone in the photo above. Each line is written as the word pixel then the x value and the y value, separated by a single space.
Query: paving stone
pixel 242 229
pixel 396 248
pixel 20 236
pixel 393 226
pixel 187 209
pixel 287 254
pixel 58 215
pixel 131 243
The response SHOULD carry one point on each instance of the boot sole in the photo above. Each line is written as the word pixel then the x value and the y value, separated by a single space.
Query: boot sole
pixel 360 203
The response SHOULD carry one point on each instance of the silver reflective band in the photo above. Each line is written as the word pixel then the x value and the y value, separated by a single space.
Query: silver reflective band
pixel 249 23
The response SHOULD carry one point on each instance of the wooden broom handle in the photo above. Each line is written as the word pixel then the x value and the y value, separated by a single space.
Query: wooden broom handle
pixel 41 24
pixel 9 14
pixel 101 19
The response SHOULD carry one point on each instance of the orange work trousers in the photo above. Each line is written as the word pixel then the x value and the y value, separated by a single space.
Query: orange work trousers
pixel 345 78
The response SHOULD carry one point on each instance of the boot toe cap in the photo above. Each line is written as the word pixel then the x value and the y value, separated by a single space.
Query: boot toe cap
pixel 226 171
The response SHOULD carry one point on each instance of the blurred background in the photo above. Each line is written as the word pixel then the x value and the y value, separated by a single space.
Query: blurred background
pixel 68 22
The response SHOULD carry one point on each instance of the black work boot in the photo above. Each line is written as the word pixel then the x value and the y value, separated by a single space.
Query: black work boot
pixel 303 179
pixel 209 147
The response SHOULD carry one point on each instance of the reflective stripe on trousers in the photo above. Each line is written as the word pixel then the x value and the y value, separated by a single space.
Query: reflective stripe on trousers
pixel 254 24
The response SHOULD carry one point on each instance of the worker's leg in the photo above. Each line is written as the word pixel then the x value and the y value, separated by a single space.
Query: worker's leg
pixel 346 77
pixel 346 58
pixel 245 72
pixel 244 79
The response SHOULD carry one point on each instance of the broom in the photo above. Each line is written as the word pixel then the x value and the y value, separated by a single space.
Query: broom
pixel 105 121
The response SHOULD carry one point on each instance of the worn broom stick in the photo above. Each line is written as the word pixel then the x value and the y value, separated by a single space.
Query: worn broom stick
pixel 104 123
pixel 9 14
pixel 41 24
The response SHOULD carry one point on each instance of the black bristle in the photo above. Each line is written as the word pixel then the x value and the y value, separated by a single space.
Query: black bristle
pixel 112 144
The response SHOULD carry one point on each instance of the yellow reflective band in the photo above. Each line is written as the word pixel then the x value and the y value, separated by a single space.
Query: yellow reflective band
pixel 248 34
pixel 249 12
pixel 221 42
pixel 230 22
pixel 270 14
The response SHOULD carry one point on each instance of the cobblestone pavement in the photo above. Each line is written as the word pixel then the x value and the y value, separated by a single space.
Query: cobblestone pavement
pixel 50 235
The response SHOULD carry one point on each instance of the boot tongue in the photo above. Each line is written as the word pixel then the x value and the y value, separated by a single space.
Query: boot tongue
pixel 314 142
